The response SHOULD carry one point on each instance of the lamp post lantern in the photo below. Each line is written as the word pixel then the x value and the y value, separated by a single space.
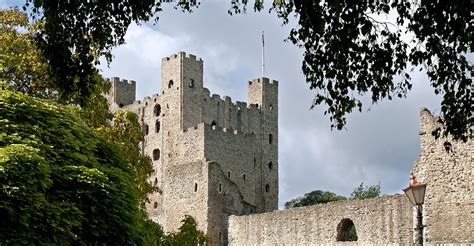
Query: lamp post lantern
pixel 416 194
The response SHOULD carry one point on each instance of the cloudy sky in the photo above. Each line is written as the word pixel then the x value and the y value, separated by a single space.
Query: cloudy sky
pixel 378 146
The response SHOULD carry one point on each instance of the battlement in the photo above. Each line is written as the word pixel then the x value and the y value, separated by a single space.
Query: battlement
pixel 263 80
pixel 122 92
pixel 181 54
pixel 123 81
pixel 218 99
pixel 208 127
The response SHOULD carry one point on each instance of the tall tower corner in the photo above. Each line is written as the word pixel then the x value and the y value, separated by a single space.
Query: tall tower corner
pixel 122 92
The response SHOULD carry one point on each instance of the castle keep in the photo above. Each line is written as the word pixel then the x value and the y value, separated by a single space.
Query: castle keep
pixel 212 157
pixel 218 161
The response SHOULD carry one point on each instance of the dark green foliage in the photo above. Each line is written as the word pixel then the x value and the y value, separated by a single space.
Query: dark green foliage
pixel 362 192
pixel 313 197
pixel 348 53
pixel 352 234
pixel 188 234
pixel 77 33
pixel 60 182
pixel 346 231
pixel 125 132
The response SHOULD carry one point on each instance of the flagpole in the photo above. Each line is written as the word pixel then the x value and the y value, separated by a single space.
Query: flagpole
pixel 263 54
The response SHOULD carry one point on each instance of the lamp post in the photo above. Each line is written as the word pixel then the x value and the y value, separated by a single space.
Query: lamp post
pixel 416 194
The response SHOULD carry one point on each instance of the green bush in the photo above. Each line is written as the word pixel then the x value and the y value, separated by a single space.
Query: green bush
pixel 61 183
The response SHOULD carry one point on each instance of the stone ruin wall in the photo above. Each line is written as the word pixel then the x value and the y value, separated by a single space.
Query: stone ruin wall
pixel 378 221
pixel 448 212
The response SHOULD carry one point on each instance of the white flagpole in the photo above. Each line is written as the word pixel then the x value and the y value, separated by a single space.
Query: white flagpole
pixel 263 54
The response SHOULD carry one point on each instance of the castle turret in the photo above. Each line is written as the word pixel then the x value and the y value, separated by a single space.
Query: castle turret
pixel 182 79
pixel 264 94
pixel 122 92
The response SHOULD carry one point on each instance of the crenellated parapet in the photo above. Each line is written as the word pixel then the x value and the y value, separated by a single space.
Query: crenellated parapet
pixel 181 55
pixel 122 92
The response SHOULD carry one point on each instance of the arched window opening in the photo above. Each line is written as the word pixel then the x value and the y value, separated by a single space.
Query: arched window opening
pixel 195 187
pixel 256 105
pixel 271 107
pixel 244 176
pixel 146 103
pixel 270 165
pixel 220 187
pixel 267 188
pixel 145 130
pixel 157 126
pixel 156 154
pixel 156 181
pixel 191 84
pixel 228 174
pixel 270 138
pixel 213 124
pixel 346 231
pixel 170 84
pixel 155 205
pixel 157 110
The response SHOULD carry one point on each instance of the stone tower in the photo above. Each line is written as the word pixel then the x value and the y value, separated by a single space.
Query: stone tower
pixel 122 92
pixel 212 157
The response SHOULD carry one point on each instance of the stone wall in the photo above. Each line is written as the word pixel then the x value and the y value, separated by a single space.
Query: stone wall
pixel 185 193
pixel 448 212
pixel 378 221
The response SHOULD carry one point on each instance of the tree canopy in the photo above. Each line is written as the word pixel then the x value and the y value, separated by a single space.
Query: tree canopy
pixel 362 192
pixel 349 52
pixel 313 197
pixel 61 182
pixel 319 196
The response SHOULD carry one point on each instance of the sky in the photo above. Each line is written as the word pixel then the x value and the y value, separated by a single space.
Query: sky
pixel 378 146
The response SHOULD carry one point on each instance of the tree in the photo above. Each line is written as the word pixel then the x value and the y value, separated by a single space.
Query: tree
pixel 188 234
pixel 362 192
pixel 348 52
pixel 61 183
pixel 313 197
pixel 125 132
pixel 22 67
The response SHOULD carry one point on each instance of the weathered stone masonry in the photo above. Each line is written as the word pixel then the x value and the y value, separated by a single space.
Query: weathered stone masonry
pixel 449 200
pixel 212 158
pixel 448 210
pixel 386 220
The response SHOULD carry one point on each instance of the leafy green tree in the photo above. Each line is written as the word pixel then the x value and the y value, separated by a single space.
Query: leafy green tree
pixel 313 197
pixel 125 132
pixel 187 235
pixel 362 192
pixel 348 51
pixel 22 67
pixel 60 183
